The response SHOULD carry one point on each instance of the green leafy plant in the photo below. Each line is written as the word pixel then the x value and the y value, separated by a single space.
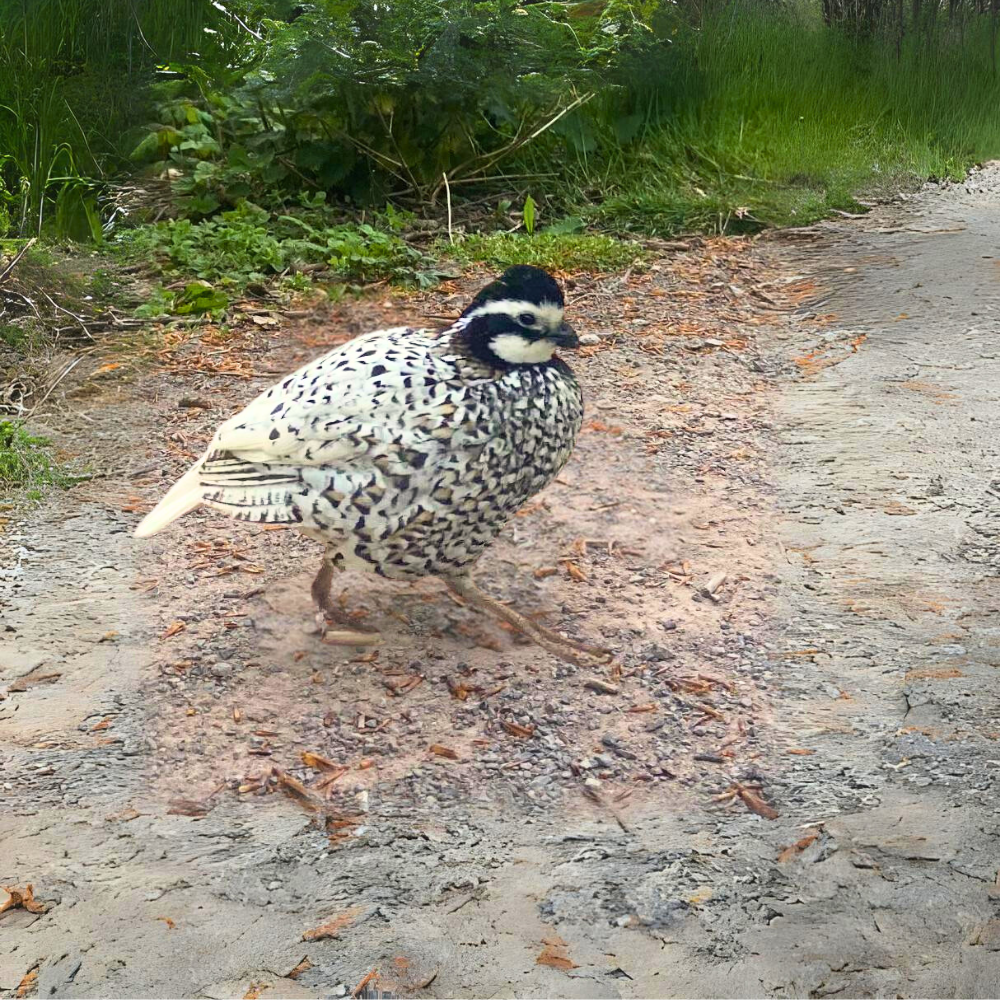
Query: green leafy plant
pixel 528 214
pixel 248 244
pixel 345 100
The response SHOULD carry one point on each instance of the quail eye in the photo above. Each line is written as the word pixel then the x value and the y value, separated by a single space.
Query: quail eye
pixel 526 319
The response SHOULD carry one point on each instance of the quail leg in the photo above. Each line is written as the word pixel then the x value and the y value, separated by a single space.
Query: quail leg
pixel 566 649
pixel 329 613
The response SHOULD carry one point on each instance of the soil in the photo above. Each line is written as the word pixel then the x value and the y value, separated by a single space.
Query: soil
pixel 780 514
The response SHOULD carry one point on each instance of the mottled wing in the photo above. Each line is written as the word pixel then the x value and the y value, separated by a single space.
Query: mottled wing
pixel 377 394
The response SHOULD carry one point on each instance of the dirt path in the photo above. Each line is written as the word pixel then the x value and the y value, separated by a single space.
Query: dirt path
pixel 811 418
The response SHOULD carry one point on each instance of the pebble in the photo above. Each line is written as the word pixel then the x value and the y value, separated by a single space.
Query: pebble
pixel 222 669
pixel 589 339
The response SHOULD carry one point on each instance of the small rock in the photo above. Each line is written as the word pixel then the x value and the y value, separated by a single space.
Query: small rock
pixel 222 669
pixel 589 339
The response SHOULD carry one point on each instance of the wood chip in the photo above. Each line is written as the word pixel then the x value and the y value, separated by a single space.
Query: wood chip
pixel 713 584
pixel 442 751
pixel 596 684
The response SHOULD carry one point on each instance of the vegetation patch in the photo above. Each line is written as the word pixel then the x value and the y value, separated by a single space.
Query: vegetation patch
pixel 26 461
pixel 249 245
pixel 552 251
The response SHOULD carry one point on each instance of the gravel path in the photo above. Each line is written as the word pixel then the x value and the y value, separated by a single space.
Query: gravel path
pixel 780 514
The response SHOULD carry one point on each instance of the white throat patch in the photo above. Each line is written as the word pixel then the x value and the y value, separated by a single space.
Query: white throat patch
pixel 517 350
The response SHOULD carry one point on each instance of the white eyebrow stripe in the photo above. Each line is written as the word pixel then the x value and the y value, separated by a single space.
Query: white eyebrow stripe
pixel 549 313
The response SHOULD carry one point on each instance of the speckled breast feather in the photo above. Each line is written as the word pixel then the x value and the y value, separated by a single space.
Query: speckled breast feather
pixel 399 450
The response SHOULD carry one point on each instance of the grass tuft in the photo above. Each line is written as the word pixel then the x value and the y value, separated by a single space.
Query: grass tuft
pixel 26 461
pixel 548 250
pixel 770 118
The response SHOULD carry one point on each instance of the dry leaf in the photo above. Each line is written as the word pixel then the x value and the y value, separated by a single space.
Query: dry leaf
pixel 254 990
pixel 755 803
pixel 543 571
pixel 600 426
pixel 332 928
pixel 442 751
pixel 125 816
pixel 800 751
pixel 22 898
pixel 554 955
pixel 304 966
pixel 524 732
pixel 649 706
pixel 27 983
pixel 797 848
pixel 319 762
pixel 944 674
pixel 372 976
pixel 573 571
pixel 170 924
pixel 173 628
pixel 32 680
pixel 190 807
pixel 294 789
pixel 102 725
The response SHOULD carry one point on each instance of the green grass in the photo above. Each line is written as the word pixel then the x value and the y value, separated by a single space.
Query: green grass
pixel 767 117
pixel 551 251
pixel 26 461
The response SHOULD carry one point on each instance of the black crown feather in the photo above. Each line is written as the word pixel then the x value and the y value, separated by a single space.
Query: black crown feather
pixel 523 283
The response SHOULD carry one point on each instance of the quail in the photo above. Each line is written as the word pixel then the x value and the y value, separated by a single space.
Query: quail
pixel 406 450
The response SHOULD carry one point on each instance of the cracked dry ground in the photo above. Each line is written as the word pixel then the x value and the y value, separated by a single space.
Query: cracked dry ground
pixel 780 512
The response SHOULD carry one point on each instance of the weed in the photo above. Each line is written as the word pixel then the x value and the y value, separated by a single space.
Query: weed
pixel 552 251
pixel 21 336
pixel 775 119
pixel 249 245
pixel 26 461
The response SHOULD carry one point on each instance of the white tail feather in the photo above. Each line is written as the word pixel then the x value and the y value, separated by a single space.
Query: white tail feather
pixel 184 495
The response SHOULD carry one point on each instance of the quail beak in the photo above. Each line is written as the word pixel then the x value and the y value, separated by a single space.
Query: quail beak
pixel 565 336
